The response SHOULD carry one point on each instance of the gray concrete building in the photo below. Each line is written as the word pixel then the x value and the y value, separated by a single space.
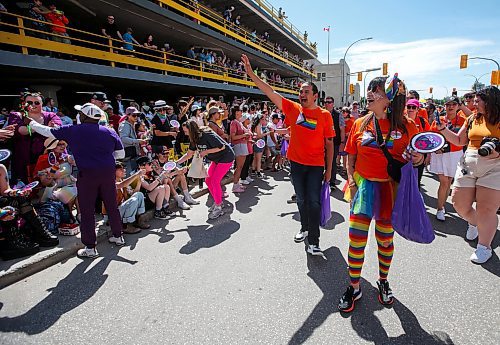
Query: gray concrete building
pixel 329 80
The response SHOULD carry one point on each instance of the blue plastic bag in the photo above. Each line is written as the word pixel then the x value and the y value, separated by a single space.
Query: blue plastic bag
pixel 326 209
pixel 409 217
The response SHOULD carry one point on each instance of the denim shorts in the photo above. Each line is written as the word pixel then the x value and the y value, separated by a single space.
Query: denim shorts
pixel 240 149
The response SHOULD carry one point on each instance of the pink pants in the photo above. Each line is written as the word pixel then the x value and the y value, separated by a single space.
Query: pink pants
pixel 216 172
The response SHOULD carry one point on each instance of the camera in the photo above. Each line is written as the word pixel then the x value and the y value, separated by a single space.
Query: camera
pixel 488 145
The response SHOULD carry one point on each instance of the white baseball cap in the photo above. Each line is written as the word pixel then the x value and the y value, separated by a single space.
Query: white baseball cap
pixel 90 110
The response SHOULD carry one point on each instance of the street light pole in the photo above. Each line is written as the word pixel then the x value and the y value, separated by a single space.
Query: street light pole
pixel 343 64
pixel 477 80
pixel 482 58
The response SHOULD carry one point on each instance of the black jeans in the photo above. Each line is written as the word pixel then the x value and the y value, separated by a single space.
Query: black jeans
pixel 307 181
pixel 246 167
pixel 336 149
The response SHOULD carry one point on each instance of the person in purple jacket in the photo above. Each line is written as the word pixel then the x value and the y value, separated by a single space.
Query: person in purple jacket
pixel 27 145
pixel 95 149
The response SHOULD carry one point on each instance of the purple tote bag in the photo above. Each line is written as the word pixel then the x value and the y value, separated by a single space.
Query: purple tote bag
pixel 326 210
pixel 409 217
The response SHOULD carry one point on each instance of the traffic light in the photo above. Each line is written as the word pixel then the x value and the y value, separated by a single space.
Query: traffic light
pixel 430 89
pixel 384 68
pixel 351 89
pixel 360 76
pixel 495 77
pixel 463 61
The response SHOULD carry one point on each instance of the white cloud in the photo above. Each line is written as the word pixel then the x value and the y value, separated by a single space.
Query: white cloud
pixel 420 63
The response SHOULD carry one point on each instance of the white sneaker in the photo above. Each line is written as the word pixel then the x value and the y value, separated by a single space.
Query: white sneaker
pixel 440 215
pixel 249 179
pixel 481 254
pixel 314 249
pixel 182 205
pixel 300 236
pixel 245 182
pixel 216 212
pixel 119 241
pixel 188 199
pixel 471 232
pixel 87 253
pixel 237 188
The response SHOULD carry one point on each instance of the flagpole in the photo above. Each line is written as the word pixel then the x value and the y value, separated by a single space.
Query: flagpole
pixel 328 44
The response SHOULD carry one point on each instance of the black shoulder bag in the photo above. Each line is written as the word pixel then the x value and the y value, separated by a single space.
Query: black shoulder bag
pixel 393 165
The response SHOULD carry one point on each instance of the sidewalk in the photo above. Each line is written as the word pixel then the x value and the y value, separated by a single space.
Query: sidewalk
pixel 15 270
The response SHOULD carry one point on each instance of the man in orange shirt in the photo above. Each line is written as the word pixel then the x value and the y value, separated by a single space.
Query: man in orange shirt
pixel 311 135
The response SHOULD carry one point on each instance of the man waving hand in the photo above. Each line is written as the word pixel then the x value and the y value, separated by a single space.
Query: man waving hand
pixel 312 133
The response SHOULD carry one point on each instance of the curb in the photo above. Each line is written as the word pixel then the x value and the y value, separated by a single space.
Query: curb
pixel 47 258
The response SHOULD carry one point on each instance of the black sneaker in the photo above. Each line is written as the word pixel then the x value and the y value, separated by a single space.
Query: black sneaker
pixel 168 213
pixel 159 214
pixel 300 236
pixel 346 303
pixel 384 293
pixel 314 249
pixel 259 174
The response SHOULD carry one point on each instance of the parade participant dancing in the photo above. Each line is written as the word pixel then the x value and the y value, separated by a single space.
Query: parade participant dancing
pixel 478 174
pixel 218 152
pixel 311 135
pixel 95 159
pixel 370 183
pixel 444 162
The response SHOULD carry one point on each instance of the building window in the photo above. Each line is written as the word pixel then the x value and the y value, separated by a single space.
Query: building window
pixel 321 77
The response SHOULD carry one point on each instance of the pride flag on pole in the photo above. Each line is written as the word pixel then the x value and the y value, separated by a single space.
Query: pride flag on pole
pixel 326 29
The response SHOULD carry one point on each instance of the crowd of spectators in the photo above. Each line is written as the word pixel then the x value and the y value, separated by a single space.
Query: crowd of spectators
pixel 125 42
pixel 236 23
pixel 152 135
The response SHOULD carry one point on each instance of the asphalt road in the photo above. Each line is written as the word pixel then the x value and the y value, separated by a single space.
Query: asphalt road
pixel 242 280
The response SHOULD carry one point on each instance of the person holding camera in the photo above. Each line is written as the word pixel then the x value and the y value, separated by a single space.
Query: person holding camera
pixel 444 162
pixel 478 174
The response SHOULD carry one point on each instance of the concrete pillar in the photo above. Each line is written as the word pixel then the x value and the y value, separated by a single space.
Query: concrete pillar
pixel 47 91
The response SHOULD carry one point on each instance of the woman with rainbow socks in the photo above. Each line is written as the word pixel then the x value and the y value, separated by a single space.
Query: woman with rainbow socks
pixel 369 182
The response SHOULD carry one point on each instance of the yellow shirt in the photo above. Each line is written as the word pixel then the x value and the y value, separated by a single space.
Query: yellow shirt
pixel 480 128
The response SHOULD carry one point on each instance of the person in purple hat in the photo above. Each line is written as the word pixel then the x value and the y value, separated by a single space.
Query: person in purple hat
pixel 96 170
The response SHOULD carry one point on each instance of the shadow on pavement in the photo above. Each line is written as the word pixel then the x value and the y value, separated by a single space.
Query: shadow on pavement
pixel 336 219
pixel 208 236
pixel 325 272
pixel 70 292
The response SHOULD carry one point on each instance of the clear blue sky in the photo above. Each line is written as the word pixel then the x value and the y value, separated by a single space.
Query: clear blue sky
pixel 421 40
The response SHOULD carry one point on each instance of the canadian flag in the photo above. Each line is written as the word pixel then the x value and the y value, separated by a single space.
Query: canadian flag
pixel 326 29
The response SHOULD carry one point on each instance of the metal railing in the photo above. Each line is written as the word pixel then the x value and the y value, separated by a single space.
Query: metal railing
pixel 271 10
pixel 216 21
pixel 99 48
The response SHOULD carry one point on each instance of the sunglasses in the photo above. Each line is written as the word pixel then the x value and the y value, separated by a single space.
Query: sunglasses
pixel 134 115
pixel 411 107
pixel 31 102
pixel 469 97
pixel 164 153
pixel 328 102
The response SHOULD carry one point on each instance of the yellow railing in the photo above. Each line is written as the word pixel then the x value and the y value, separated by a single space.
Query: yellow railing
pixel 216 21
pixel 97 47
pixel 271 10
